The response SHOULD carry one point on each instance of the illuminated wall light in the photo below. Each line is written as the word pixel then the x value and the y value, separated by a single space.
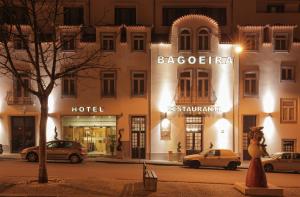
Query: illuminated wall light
pixel 223 133
pixel 51 103
pixel 269 131
pixel 166 99
pixel 238 49
pixel 268 102
pixel 50 129
pixel 224 99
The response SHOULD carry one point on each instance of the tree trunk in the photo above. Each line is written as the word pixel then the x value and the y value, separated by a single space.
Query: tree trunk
pixel 43 175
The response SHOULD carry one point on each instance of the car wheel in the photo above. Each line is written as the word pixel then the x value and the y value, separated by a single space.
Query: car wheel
pixel 195 164
pixel 232 166
pixel 32 157
pixel 75 159
pixel 268 168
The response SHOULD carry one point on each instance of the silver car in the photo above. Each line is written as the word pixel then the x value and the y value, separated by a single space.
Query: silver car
pixel 282 161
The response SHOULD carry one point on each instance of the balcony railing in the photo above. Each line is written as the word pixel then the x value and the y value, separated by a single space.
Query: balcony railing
pixel 15 100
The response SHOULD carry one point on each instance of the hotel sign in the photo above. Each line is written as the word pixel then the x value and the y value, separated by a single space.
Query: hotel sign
pixel 82 109
pixel 194 60
pixel 203 109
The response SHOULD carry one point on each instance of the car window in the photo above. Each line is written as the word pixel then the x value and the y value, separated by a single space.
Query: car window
pixel 217 153
pixel 286 156
pixel 297 156
pixel 52 144
pixel 213 153
pixel 68 144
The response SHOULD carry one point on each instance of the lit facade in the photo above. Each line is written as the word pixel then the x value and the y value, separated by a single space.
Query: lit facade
pixel 200 102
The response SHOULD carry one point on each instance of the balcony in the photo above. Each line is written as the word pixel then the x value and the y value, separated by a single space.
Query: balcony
pixel 16 100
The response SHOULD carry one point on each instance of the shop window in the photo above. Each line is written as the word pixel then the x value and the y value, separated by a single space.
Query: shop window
pixel 138 42
pixel 125 16
pixel 281 42
pixel 203 40
pixel 275 8
pixel 69 83
pixel 68 42
pixel 73 16
pixel 202 84
pixel 287 73
pixel 288 145
pixel 194 129
pixel 250 84
pixel 108 42
pixel 288 110
pixel 20 42
pixel 138 83
pixel 169 15
pixel 108 84
pixel 185 40
pixel 251 42
pixel 185 85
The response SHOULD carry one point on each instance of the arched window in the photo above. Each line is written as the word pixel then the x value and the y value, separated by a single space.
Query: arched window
pixel 185 40
pixel 203 40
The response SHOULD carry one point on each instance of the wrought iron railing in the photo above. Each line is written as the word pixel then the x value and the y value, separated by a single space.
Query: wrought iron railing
pixel 18 100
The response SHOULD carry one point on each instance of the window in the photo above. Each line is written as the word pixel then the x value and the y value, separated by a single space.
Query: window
pixel 202 84
pixel 185 85
pixel 73 16
pixel 19 90
pixel 171 14
pixel 68 42
pixel 251 41
pixel 281 42
pixel 14 15
pixel 52 144
pixel 20 42
pixel 203 40
pixel 275 8
pixel 69 83
pixel 108 84
pixel 107 41
pixel 194 129
pixel 287 73
pixel 185 40
pixel 288 110
pixel 250 84
pixel 126 16
pixel 296 156
pixel 138 42
pixel 288 145
pixel 138 84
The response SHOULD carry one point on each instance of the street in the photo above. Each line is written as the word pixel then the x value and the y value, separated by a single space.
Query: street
pixel 119 178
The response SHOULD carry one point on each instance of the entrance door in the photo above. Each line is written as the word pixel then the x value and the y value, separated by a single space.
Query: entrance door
pixel 248 122
pixel 23 132
pixel 138 137
pixel 194 131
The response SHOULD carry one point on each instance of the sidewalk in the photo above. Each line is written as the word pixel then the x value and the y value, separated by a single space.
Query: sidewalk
pixel 8 156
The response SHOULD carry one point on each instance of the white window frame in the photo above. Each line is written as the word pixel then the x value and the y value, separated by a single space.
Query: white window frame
pixel 283 141
pixel 251 39
pixel 138 79
pixel 287 67
pixel 186 37
pixel 250 79
pixel 24 93
pixel 288 113
pixel 69 78
pixel 283 37
pixel 204 81
pixel 68 38
pixel 201 37
pixel 183 95
pixel 18 39
pixel 138 37
pixel 108 37
pixel 109 79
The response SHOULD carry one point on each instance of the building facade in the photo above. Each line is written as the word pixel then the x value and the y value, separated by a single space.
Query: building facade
pixel 176 82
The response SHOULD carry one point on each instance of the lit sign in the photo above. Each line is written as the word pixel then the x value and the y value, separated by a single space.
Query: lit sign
pixel 205 109
pixel 194 60
pixel 93 109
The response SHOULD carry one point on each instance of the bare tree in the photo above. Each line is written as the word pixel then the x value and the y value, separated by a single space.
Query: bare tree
pixel 36 28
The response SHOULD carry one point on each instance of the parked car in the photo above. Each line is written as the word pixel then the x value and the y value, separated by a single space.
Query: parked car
pixel 1 149
pixel 57 150
pixel 282 161
pixel 213 158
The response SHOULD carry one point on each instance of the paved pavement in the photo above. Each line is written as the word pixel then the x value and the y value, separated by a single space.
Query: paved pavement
pixel 115 179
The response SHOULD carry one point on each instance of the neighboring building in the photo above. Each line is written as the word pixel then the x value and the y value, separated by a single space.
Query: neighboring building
pixel 158 105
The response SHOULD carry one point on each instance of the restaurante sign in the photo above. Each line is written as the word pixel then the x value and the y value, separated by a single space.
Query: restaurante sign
pixel 194 60
pixel 205 109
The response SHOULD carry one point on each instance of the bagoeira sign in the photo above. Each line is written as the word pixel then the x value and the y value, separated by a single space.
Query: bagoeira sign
pixel 194 60
pixel 82 109
pixel 202 109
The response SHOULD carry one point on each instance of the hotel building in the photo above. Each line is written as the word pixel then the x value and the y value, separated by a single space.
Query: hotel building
pixel 177 84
